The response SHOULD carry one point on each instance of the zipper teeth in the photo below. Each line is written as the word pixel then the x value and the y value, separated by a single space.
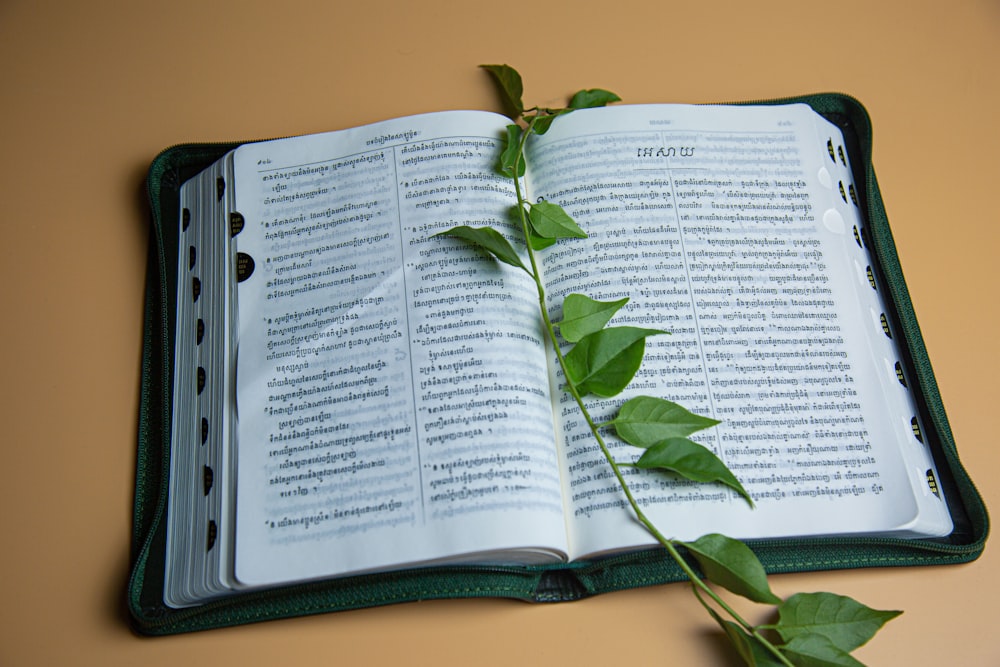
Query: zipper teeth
pixel 793 99
pixel 287 599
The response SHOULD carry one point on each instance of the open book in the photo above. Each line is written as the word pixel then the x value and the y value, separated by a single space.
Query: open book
pixel 352 394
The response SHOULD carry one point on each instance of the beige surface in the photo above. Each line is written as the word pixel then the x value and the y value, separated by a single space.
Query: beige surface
pixel 92 91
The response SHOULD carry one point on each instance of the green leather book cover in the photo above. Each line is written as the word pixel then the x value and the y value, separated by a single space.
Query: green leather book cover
pixel 545 583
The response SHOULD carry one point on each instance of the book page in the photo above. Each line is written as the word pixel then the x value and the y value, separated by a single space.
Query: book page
pixel 392 387
pixel 732 228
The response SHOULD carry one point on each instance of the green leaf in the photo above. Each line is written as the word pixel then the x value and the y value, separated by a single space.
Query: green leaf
pixel 749 646
pixel 583 315
pixel 539 243
pixel 543 122
pixel 594 97
pixel 604 362
pixel 644 421
pixel 488 239
pixel 818 651
pixel 550 221
pixel 510 85
pixel 844 621
pixel 732 565
pixel 511 155
pixel 739 639
pixel 754 653
pixel 692 461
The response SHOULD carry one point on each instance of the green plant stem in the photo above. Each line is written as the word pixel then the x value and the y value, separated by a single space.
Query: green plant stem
pixel 668 544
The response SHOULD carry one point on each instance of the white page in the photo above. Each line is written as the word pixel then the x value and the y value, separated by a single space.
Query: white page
pixel 181 539
pixel 392 388
pixel 726 227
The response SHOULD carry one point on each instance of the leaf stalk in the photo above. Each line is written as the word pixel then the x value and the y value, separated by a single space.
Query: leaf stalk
pixel 670 545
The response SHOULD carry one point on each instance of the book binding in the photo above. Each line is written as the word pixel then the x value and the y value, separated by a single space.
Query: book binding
pixel 549 583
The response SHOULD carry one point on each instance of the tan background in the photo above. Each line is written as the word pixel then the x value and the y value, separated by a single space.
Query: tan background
pixel 91 91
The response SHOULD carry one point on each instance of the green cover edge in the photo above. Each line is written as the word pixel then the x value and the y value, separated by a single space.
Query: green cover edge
pixel 150 616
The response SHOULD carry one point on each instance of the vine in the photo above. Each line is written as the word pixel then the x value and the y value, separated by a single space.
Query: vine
pixel 813 629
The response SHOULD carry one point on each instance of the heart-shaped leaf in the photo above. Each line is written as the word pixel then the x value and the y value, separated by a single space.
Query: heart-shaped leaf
pixel 845 621
pixel 732 565
pixel 487 239
pixel 539 243
pixel 552 222
pixel 691 461
pixel 542 123
pixel 814 650
pixel 644 421
pixel 604 362
pixel 594 97
pixel 583 315
pixel 752 651
pixel 510 85
pixel 511 162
